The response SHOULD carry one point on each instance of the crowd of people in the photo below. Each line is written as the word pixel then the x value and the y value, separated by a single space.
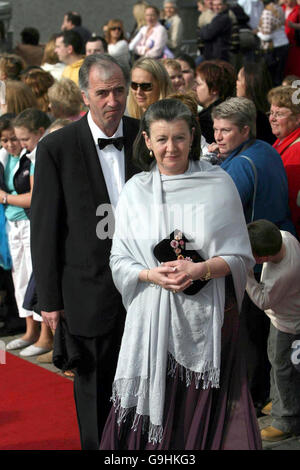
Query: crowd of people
pixel 151 215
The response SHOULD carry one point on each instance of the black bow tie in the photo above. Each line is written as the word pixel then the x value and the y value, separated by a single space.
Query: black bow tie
pixel 118 142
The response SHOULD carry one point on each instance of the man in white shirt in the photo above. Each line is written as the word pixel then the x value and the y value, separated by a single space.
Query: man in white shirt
pixel 278 294
pixel 80 171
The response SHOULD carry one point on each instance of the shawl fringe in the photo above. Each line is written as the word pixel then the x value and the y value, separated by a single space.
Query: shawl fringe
pixel 140 387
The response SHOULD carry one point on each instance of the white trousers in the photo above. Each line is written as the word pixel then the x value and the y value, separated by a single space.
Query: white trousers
pixel 18 234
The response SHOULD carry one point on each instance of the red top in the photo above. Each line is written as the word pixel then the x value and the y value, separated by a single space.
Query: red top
pixel 290 155
pixel 294 17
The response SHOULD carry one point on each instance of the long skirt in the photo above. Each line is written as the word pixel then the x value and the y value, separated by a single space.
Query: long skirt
pixel 196 418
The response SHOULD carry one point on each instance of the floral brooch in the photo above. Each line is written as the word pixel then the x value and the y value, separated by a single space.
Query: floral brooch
pixel 178 245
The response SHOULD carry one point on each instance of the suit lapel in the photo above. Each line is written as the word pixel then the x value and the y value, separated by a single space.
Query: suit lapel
pixel 130 129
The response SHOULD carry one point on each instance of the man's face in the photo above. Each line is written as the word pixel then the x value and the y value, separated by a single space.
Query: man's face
pixel 94 47
pixel 66 24
pixel 106 98
pixel 169 10
pixel 61 49
pixel 218 6
pixel 208 4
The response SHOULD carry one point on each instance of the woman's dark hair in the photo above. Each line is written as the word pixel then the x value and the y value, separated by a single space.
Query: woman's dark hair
pixel 265 238
pixel 6 122
pixel 219 76
pixel 258 83
pixel 167 110
pixel 188 59
pixel 32 119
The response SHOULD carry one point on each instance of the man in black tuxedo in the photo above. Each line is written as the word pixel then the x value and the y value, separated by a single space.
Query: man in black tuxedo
pixel 77 178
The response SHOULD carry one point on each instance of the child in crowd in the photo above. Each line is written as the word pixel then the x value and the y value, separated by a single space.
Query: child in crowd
pixel 26 129
pixel 31 301
pixel 278 294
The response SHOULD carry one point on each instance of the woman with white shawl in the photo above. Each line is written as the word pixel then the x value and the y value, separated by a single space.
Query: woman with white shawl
pixel 179 383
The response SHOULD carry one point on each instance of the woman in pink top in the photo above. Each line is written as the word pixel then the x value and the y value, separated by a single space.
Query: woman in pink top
pixel 152 38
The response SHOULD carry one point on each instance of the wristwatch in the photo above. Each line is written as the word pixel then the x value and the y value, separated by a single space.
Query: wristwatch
pixel 4 199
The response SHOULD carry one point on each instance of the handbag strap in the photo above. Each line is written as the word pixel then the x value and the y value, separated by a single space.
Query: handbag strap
pixel 255 183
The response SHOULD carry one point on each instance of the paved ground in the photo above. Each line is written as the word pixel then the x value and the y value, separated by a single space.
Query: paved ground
pixel 292 443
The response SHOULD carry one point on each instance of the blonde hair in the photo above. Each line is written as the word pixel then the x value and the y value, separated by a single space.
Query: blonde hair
pixel 138 12
pixel 19 97
pixel 59 124
pixel 65 98
pixel 172 63
pixel 160 76
pixel 189 98
pixel 50 56
pixel 285 97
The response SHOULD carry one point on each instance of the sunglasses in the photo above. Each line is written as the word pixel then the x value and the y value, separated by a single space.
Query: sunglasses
pixel 115 27
pixel 142 86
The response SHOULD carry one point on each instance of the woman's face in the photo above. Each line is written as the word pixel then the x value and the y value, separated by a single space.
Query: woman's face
pixel 205 97
pixel 229 136
pixel 28 139
pixel 241 84
pixel 144 98
pixel 151 17
pixel 188 75
pixel 10 142
pixel 282 121
pixel 115 32
pixel 176 78
pixel 170 143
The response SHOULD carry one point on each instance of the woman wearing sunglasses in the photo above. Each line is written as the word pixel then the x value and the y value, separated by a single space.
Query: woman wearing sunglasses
pixel 152 38
pixel 150 82
pixel 117 44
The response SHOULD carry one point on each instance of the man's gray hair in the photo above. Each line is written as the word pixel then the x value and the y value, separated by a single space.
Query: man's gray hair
pixel 240 111
pixel 106 63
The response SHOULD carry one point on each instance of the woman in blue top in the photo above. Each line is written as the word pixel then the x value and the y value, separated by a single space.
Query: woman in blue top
pixel 16 183
pixel 235 135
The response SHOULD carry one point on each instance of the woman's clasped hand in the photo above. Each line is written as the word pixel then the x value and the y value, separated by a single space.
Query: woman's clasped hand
pixel 174 275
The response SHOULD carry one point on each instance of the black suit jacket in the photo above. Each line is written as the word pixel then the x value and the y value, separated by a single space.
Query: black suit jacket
pixel 216 37
pixel 70 263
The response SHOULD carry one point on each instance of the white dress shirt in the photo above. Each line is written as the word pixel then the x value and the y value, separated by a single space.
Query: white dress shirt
pixel 111 159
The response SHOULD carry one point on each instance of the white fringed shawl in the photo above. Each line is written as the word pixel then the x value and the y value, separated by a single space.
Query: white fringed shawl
pixel 160 324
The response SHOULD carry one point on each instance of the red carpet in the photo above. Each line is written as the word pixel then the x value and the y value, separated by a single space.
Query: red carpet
pixel 37 410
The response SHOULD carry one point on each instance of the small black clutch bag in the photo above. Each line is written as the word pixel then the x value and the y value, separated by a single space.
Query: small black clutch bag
pixel 172 249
